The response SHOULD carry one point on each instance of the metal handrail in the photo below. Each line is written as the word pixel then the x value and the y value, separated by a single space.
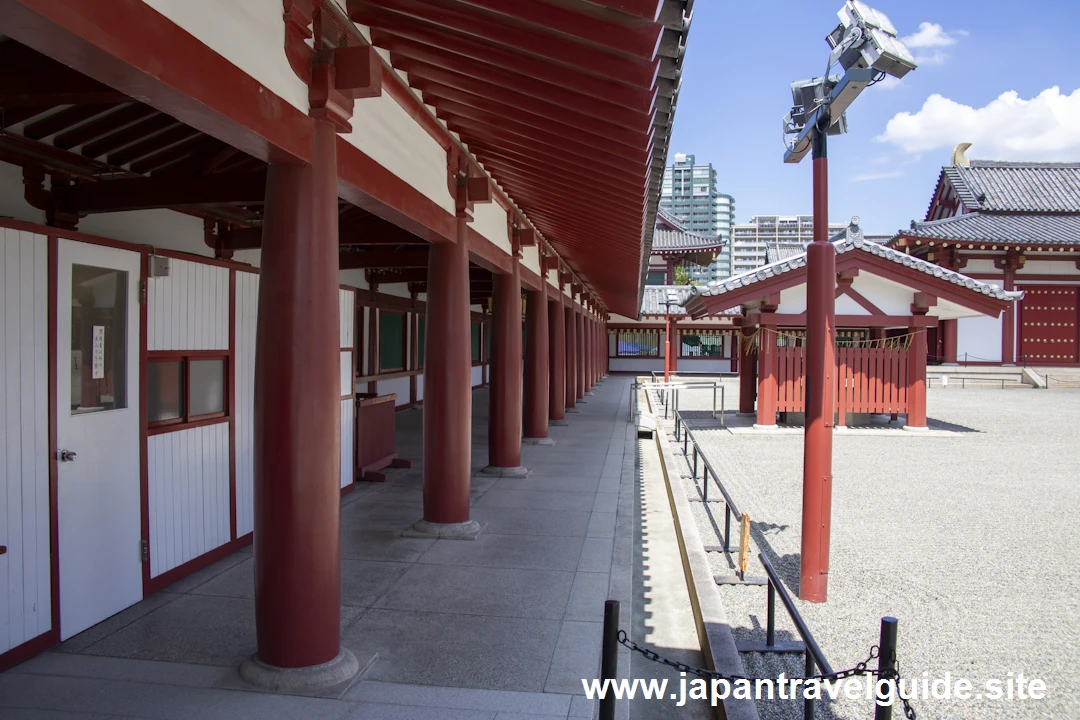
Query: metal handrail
pixel 813 650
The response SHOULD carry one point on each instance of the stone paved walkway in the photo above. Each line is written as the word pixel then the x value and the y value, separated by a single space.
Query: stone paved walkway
pixel 504 627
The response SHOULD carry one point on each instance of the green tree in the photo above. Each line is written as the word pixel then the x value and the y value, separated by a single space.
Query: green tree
pixel 682 276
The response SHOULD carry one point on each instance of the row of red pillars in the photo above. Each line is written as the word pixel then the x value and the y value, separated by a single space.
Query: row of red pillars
pixel 297 398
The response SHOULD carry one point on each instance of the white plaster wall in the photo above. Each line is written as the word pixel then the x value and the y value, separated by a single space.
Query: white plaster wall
pixel 703 365
pixel 12 203
pixel 419 387
pixel 25 580
pixel 638 365
pixel 353 277
pixel 248 33
pixel 980 267
pixel 166 229
pixel 490 221
pixel 477 375
pixel 388 135
pixel 396 385
pixel 530 258
pixel 188 477
pixel 979 338
pixel 1049 267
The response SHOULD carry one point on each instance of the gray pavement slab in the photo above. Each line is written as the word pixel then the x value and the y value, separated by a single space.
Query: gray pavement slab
pixel 504 627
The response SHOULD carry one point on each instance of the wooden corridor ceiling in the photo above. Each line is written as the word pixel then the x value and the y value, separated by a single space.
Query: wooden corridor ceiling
pixel 568 104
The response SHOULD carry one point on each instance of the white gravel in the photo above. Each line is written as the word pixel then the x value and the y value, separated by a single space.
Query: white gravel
pixel 971 541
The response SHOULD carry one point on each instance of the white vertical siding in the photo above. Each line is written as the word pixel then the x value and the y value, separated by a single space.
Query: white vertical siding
pixel 189 309
pixel 477 375
pixel 188 477
pixel 347 420
pixel 346 373
pixel 363 344
pixel 247 312
pixel 419 387
pixel 346 316
pixel 25 589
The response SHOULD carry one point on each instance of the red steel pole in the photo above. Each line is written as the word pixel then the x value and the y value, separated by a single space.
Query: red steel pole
pixel 557 361
pixel 297 416
pixel 579 331
pixel 667 349
pixel 586 356
pixel 820 387
pixel 536 366
pixel 504 424
pixel 747 376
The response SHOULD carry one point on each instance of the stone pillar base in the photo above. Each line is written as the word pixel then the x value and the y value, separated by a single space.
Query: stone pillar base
pixel 746 414
pixel 572 410
pixel 444 531
pixel 303 680
pixel 537 441
pixel 909 428
pixel 764 427
pixel 590 392
pixel 559 423
pixel 505 471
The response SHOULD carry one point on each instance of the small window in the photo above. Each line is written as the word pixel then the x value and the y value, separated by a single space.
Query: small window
pixel 182 389
pixel 638 343
pixel 474 333
pixel 391 341
pixel 701 345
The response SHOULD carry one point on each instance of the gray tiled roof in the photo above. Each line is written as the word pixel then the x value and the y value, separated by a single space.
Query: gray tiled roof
pixel 775 251
pixel 1017 187
pixel 984 227
pixel 852 240
pixel 656 294
pixel 676 240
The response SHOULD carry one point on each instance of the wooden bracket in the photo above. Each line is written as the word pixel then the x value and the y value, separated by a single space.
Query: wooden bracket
pixel 922 302
pixel 478 189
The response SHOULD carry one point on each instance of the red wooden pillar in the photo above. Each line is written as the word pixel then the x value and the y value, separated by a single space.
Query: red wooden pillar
pixel 297 421
pixel 747 376
pixel 587 354
pixel 536 367
pixel 504 423
pixel 570 324
pixel 556 363
pixel 1008 320
pixel 448 390
pixel 766 374
pixel 948 330
pixel 916 417
pixel 579 331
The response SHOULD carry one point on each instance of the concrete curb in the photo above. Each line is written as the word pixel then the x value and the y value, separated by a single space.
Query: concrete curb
pixel 714 631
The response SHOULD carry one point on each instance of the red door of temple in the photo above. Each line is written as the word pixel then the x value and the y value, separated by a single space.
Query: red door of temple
pixel 1048 325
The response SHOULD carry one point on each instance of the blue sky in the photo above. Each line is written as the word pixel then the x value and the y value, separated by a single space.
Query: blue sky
pixel 741 60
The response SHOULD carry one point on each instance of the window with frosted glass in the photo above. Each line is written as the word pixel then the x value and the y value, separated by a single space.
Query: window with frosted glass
pixel 165 391
pixel 207 387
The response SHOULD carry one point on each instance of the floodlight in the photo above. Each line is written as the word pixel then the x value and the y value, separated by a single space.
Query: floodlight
pixel 868 17
pixel 886 53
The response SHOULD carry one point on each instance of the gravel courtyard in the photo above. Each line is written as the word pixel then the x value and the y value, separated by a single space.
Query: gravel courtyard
pixel 972 541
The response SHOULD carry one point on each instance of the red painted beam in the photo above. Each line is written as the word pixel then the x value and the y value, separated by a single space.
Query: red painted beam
pixel 537 164
pixel 559 200
pixel 500 135
pixel 152 144
pixel 499 83
pixel 648 9
pixel 632 36
pixel 145 193
pixel 200 155
pixel 450 16
pixel 373 259
pixel 128 135
pixel 60 121
pixel 170 156
pixel 537 113
pixel 373 230
pixel 556 134
pixel 499 169
pixel 103 125
pixel 35 80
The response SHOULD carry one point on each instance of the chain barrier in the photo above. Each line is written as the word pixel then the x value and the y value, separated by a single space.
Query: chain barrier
pixel 859 669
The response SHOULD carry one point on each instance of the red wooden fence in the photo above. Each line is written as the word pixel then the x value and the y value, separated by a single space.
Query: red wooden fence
pixel 375 436
pixel 868 380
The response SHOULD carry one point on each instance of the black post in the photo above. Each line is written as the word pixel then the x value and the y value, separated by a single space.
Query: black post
pixel 808 702
pixel 695 461
pixel 770 620
pixel 727 525
pixel 886 662
pixel 609 659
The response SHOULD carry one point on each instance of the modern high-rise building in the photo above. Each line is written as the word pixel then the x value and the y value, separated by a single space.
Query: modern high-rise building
pixel 750 242
pixel 689 193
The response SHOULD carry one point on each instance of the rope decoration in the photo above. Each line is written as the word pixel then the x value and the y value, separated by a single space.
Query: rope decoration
pixel 844 338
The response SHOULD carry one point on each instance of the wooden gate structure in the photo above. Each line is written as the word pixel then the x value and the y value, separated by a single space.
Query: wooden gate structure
pixel 869 380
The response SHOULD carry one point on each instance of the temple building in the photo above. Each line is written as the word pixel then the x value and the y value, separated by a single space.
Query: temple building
pixel 236 237
pixel 1015 226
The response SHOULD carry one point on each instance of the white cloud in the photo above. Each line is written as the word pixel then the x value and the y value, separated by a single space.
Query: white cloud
pixel 877 176
pixel 1044 128
pixel 930 35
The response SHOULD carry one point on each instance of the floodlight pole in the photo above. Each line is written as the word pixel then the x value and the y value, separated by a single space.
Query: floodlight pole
pixel 820 382
pixel 667 341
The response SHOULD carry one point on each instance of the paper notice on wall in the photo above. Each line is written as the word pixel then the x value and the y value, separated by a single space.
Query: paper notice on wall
pixel 97 368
